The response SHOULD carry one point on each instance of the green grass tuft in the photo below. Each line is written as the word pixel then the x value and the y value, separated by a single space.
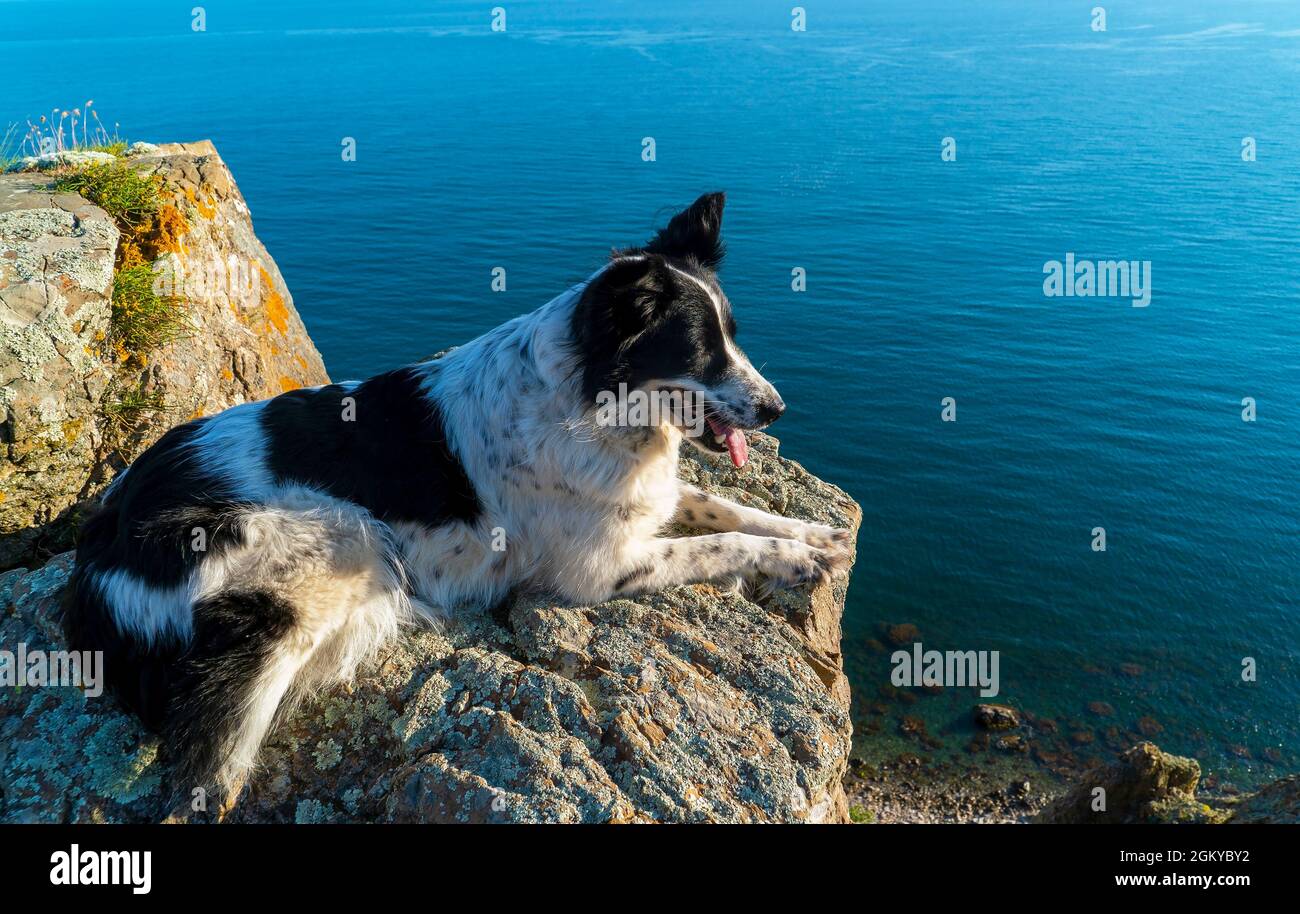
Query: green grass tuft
pixel 142 318
pixel 113 148
pixel 860 815
pixel 128 196
pixel 9 150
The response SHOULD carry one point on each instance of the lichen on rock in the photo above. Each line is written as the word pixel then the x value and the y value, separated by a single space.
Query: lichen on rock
pixel 61 382
pixel 65 158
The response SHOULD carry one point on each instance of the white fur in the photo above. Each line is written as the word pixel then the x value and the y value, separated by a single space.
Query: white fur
pixel 234 448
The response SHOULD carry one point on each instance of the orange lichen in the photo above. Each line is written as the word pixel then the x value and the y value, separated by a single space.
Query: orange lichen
pixel 158 235
pixel 168 226
pixel 206 210
pixel 276 311
pixel 71 429
pixel 129 254
pixel 287 384
pixel 137 311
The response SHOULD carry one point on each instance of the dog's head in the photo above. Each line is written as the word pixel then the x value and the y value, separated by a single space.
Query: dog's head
pixel 655 320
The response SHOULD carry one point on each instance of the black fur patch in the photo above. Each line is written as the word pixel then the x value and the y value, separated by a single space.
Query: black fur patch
pixel 235 635
pixel 386 450
pixel 140 676
pixel 642 320
pixel 146 524
pixel 634 576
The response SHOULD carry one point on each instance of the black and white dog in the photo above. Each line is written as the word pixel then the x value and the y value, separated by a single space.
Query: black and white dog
pixel 254 555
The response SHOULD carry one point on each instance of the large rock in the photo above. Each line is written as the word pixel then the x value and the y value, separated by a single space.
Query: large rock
pixel 1143 785
pixel 56 279
pixel 244 339
pixel 248 342
pixel 1150 786
pixel 1276 804
pixel 689 705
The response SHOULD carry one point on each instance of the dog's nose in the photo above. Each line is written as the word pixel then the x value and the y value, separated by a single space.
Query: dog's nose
pixel 770 410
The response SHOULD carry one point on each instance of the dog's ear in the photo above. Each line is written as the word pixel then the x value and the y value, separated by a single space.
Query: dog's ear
pixel 695 232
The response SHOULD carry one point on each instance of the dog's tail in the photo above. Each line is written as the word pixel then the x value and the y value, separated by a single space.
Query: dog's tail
pixel 137 669
pixel 255 652
pixel 212 695
pixel 313 593
pixel 246 652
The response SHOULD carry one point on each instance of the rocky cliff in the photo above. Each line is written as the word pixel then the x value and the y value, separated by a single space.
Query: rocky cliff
pixel 85 383
pixel 692 705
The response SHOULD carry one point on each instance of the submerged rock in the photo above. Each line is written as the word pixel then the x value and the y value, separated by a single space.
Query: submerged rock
pixel 691 705
pixel 902 634
pixel 70 409
pixel 997 717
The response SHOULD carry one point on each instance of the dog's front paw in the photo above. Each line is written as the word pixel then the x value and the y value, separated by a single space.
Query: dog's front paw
pixel 831 539
pixel 791 563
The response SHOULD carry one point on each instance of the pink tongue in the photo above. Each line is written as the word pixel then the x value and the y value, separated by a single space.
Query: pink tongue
pixel 735 440
pixel 737 445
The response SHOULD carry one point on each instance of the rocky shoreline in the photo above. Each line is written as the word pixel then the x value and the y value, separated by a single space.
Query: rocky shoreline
pixel 1140 785
pixel 906 793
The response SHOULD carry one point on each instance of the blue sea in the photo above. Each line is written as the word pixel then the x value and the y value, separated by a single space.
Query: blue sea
pixel 522 148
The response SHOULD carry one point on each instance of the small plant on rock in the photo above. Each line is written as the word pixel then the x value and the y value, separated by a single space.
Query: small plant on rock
pixel 71 130
pixel 9 147
pixel 123 409
pixel 129 197
pixel 142 319
pixel 151 225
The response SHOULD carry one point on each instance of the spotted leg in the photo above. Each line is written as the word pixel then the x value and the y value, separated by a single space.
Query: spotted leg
pixel 724 557
pixel 709 512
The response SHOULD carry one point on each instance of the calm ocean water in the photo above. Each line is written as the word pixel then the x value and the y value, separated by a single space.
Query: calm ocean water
pixel 925 278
